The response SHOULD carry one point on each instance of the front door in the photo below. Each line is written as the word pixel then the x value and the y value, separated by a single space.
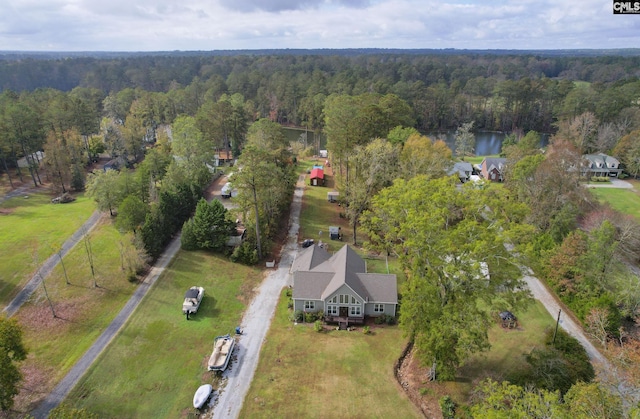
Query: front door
pixel 344 311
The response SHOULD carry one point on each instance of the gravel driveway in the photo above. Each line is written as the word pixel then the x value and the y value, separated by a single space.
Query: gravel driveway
pixel 256 322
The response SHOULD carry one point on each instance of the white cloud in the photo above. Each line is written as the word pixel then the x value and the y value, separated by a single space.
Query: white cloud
pixel 255 24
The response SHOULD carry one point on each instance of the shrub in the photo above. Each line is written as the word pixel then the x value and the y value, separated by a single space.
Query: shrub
pixel 312 317
pixel 246 254
pixel 366 330
pixel 297 316
pixel 448 407
pixel 380 319
pixel 317 326
pixel 390 320
pixel 556 366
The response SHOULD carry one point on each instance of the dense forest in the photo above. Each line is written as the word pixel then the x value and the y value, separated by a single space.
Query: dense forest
pixel 504 92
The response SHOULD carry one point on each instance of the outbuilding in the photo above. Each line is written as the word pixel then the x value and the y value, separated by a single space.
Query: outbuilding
pixel 317 177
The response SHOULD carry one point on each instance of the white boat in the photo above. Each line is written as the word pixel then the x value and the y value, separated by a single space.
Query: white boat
pixel 222 349
pixel 202 395
pixel 192 300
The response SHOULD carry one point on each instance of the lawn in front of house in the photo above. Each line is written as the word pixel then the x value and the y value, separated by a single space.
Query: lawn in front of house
pixel 155 364
pixel 625 201
pixel 31 230
pixel 347 374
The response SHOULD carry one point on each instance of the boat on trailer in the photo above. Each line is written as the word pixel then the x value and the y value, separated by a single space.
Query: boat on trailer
pixel 222 349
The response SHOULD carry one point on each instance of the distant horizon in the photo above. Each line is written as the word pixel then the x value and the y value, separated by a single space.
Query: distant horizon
pixel 592 51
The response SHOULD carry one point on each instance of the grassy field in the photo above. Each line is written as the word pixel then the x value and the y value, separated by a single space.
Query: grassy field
pixel 318 214
pixel 346 374
pixel 508 347
pixel 31 230
pixel 625 201
pixel 152 367
pixel 82 311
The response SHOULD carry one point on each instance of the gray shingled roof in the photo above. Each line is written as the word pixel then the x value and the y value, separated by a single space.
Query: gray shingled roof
pixel 345 267
pixel 309 258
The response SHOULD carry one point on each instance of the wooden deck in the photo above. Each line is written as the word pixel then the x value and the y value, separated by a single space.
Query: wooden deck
pixel 346 320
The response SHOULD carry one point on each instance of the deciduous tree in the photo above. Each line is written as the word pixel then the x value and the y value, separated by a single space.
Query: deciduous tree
pixel 422 156
pixel 451 242
pixel 12 351
pixel 104 188
pixel 465 140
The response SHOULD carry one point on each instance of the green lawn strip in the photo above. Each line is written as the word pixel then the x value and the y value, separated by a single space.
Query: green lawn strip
pixel 82 310
pixel 506 356
pixel 476 159
pixel 318 214
pixel 303 373
pixel 154 366
pixel 625 201
pixel 33 229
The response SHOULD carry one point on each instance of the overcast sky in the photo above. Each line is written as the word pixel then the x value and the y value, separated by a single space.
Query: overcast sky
pixel 165 25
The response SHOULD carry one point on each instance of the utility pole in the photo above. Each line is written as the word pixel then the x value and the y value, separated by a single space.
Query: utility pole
pixel 556 331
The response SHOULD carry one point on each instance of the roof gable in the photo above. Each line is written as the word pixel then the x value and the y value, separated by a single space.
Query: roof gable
pixel 309 258
pixel 344 268
pixel 317 174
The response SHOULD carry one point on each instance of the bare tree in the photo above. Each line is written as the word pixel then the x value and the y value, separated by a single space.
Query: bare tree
pixel 597 323
pixel 87 247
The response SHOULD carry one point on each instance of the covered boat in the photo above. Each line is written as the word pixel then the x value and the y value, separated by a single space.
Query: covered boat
pixel 202 395
pixel 222 349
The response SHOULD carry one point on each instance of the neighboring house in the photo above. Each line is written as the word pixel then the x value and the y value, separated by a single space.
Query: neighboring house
pixel 316 178
pixel 115 164
pixel 492 168
pixel 340 286
pixel 222 157
pixel 600 165
pixel 463 169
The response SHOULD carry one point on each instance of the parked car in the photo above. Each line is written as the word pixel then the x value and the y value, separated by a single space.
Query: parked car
pixel 192 300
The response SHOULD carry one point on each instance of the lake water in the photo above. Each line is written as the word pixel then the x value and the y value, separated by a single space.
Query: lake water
pixel 487 142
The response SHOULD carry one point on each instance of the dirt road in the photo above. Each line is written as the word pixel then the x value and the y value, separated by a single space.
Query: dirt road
pixel 48 265
pixel 256 322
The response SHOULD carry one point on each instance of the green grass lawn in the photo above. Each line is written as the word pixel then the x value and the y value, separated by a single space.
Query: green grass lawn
pixel 625 201
pixel 318 214
pixel 154 365
pixel 506 356
pixel 31 230
pixel 82 310
pixel 346 374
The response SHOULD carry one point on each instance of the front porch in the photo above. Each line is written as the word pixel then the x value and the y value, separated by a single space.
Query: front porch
pixel 344 322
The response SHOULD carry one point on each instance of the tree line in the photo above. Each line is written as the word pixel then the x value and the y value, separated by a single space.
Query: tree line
pixel 497 92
